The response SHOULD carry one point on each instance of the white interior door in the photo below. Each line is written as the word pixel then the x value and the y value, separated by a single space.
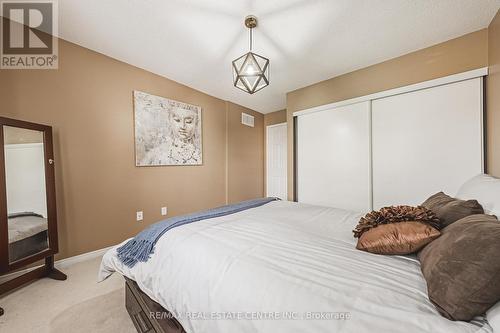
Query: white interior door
pixel 426 141
pixel 276 157
pixel 333 157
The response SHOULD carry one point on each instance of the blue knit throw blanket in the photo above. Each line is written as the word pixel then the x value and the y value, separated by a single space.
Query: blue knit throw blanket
pixel 142 245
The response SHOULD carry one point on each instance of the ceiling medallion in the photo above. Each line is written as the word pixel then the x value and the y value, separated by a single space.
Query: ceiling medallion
pixel 251 71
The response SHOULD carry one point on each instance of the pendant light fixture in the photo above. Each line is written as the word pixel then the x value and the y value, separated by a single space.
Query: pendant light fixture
pixel 251 71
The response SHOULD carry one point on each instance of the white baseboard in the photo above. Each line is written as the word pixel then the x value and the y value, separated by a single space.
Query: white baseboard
pixel 61 264
pixel 64 263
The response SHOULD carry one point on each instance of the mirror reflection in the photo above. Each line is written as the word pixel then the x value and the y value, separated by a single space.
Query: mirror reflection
pixel 26 194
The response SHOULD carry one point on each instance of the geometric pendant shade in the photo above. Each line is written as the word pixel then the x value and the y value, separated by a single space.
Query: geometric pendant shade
pixel 251 72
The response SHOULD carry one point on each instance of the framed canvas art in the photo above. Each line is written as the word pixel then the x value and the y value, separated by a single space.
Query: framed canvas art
pixel 167 132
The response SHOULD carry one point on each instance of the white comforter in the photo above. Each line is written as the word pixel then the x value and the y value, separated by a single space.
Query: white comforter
pixel 288 263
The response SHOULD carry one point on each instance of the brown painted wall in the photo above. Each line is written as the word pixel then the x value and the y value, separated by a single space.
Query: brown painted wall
pixel 272 118
pixel 89 103
pixel 493 98
pixel 245 167
pixel 16 135
pixel 454 56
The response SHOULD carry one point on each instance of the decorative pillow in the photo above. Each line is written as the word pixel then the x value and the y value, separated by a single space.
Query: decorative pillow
pixel 397 238
pixel 462 268
pixel 449 209
pixel 396 230
pixel 484 188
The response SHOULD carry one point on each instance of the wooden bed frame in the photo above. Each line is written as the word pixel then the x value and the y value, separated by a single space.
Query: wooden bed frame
pixel 147 315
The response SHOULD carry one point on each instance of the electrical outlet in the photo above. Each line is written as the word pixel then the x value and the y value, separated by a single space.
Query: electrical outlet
pixel 164 211
pixel 139 216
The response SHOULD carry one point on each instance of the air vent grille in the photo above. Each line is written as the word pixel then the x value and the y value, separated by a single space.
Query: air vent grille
pixel 247 120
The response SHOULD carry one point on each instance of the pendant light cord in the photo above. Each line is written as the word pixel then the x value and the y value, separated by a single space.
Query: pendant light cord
pixel 250 39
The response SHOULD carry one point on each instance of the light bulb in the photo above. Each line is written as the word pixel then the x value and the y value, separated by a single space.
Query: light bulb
pixel 250 70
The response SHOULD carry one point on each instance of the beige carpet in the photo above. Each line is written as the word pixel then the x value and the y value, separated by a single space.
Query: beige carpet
pixel 79 304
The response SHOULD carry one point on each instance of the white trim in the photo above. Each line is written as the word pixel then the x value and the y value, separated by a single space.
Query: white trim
pixel 276 125
pixel 401 90
pixel 370 149
pixel 226 164
pixel 482 125
pixel 62 264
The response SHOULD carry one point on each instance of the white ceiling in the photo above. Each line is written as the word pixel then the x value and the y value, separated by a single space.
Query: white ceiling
pixel 194 41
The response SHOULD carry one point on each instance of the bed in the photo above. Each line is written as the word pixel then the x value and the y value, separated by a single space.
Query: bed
pixel 27 235
pixel 283 267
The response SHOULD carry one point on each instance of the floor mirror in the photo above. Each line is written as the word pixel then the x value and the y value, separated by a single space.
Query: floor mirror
pixel 28 217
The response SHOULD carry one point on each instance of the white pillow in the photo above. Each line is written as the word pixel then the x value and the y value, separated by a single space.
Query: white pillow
pixel 485 189
pixel 493 317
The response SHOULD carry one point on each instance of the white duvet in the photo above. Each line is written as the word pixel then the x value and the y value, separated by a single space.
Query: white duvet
pixel 284 267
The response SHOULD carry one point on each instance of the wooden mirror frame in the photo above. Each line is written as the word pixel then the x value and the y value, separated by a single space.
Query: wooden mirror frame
pixel 47 270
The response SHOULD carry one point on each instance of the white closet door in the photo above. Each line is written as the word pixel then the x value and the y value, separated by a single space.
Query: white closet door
pixel 426 141
pixel 276 159
pixel 333 157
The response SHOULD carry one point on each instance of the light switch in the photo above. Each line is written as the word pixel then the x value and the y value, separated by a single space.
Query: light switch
pixel 139 216
pixel 163 210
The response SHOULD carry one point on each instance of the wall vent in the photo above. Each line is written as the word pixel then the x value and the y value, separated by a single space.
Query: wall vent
pixel 247 120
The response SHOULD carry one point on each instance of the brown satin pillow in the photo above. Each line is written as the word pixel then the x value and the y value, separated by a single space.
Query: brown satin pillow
pixel 397 238
pixel 462 267
pixel 449 209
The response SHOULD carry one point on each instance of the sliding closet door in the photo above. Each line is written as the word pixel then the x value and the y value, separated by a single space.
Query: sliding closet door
pixel 426 141
pixel 333 157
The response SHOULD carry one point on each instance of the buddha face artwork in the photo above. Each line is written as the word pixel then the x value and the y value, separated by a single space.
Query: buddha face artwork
pixel 184 123
pixel 167 132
